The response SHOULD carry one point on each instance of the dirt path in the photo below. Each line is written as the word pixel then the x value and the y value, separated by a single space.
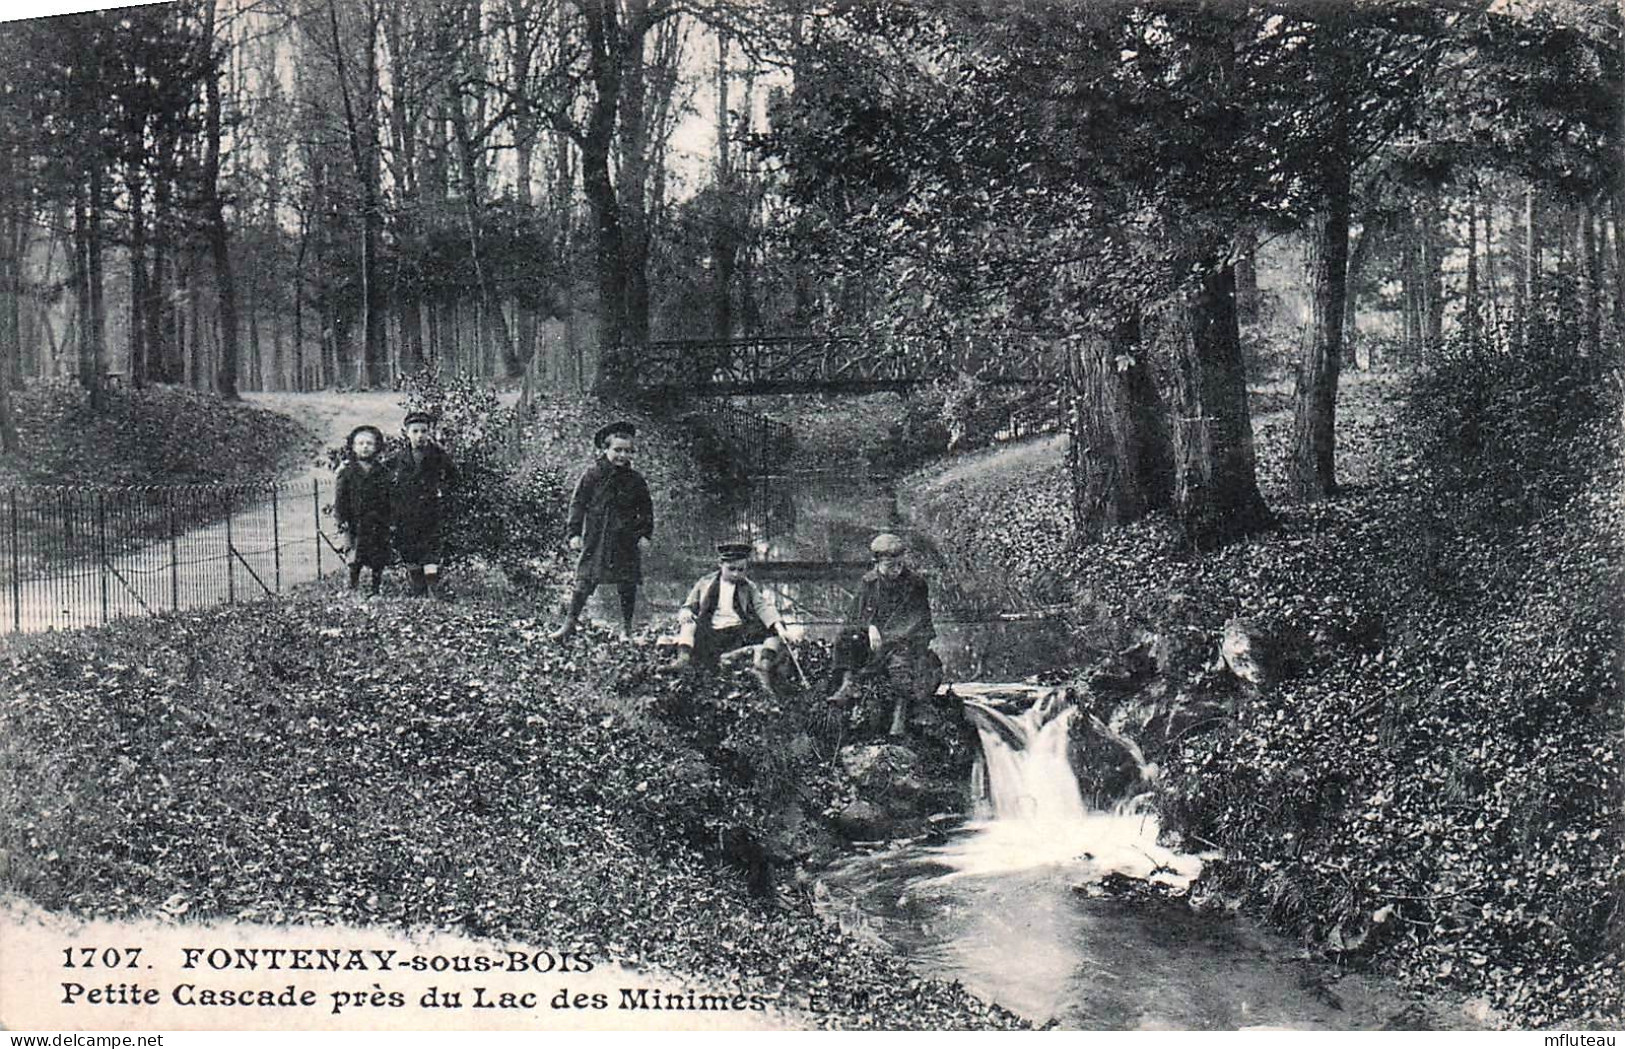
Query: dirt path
pixel 330 416
pixel 1014 458
pixel 273 538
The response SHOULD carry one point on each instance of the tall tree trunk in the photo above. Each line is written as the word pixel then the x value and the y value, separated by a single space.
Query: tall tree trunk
pixel 1120 458
pixel 88 285
pixel 1616 201
pixel 1359 251
pixel 1216 497
pixel 1432 283
pixel 724 246
pixel 138 277
pixel 632 190
pixel 1530 320
pixel 1591 277
pixel 1472 310
pixel 1313 472
pixel 604 40
pixel 361 125
pixel 162 364
pixel 1410 291
pixel 219 243
pixel 1248 300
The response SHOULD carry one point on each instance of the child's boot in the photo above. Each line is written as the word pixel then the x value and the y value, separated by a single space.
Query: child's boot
pixel 377 580
pixel 578 604
pixel 843 695
pixel 761 667
pixel 628 593
pixel 355 576
pixel 681 661
pixel 899 717
pixel 419 584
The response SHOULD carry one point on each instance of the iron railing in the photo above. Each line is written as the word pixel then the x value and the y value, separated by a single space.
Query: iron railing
pixel 73 556
pixel 760 444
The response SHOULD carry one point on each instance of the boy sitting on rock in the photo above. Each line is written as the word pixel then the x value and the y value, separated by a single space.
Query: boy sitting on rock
pixel 725 611
pixel 889 633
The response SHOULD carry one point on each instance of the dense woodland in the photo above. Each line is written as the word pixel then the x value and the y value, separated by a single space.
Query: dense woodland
pixel 297 194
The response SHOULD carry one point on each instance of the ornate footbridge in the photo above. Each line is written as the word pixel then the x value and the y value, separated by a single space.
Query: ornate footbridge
pixel 809 364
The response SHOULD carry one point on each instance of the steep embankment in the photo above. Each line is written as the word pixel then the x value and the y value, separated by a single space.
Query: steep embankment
pixel 1424 774
pixel 160 435
pixel 323 761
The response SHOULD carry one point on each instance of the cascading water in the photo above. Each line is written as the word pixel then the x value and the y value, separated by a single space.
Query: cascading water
pixel 1031 813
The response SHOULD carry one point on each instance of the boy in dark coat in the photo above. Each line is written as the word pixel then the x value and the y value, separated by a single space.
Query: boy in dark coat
pixel 361 503
pixel 889 632
pixel 725 611
pixel 611 520
pixel 423 471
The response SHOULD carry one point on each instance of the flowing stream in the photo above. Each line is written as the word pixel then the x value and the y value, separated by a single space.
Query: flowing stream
pixel 1017 903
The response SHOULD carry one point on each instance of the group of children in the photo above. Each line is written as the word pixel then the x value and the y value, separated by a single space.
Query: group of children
pixel 887 635
pixel 392 509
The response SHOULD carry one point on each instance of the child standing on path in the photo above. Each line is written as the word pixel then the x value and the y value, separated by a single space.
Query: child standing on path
pixel 423 471
pixel 361 500
pixel 611 520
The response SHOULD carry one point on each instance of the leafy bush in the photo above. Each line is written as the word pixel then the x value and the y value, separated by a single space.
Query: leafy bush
pixel 1502 432
pixel 975 411
pixel 920 435
pixel 499 510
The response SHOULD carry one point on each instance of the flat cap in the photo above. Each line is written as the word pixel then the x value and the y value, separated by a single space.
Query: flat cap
pixel 418 417
pixel 887 545
pixel 733 551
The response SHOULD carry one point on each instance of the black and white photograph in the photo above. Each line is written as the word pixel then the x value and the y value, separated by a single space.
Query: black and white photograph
pixel 779 515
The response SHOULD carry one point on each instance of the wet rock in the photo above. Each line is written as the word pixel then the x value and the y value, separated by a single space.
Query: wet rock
pixel 880 766
pixel 862 820
pixel 1248 652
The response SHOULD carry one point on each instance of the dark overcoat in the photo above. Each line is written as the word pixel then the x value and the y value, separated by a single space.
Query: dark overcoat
pixel 610 511
pixel 421 478
pixel 361 506
pixel 900 607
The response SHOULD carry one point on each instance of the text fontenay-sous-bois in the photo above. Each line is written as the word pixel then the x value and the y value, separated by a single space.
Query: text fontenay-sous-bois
pixel 225 977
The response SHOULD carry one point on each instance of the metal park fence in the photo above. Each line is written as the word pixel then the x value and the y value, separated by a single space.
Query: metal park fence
pixel 81 556
pixel 763 445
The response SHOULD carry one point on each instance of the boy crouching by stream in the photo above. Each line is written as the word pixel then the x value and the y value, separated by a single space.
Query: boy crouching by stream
pixel 889 633
pixel 725 611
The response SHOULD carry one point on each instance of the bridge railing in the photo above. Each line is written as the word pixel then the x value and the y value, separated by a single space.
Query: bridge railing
pixel 798 363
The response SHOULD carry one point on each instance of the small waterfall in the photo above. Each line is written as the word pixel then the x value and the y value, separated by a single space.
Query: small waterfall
pixel 1030 811
pixel 1029 776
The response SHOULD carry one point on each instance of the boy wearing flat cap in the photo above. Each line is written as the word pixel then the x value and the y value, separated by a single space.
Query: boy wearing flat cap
pixel 611 520
pixel 889 632
pixel 422 473
pixel 724 611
